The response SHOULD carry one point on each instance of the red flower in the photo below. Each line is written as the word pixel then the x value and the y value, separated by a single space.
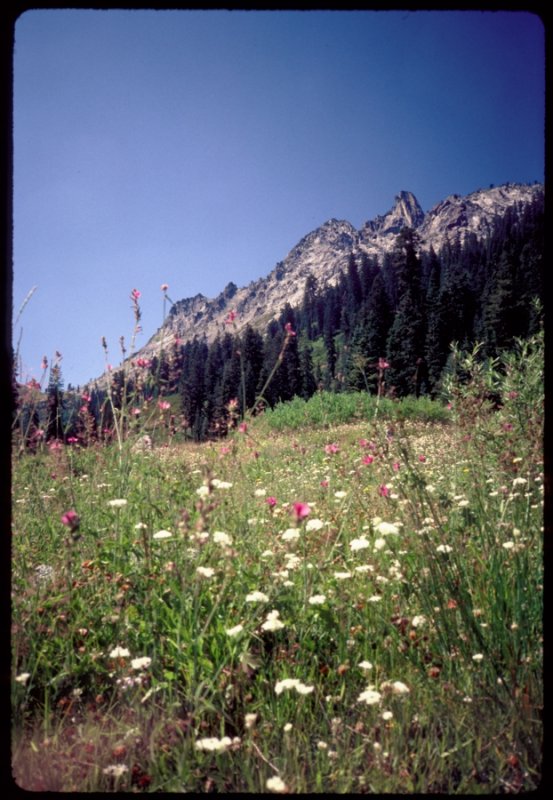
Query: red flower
pixel 332 448
pixel 383 490
pixel 71 520
pixel 301 510
pixel 422 458
pixel 289 330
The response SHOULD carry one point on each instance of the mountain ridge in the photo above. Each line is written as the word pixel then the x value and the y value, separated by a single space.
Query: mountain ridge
pixel 324 253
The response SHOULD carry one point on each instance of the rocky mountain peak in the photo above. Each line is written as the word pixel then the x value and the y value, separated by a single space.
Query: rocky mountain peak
pixel 325 253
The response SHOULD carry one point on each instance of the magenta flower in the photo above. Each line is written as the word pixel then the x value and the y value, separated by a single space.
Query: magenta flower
pixel 368 459
pixel 164 405
pixel 243 427
pixel 71 520
pixel 135 294
pixel 301 510
pixel 230 318
pixel 289 330
pixel 332 448
pixel 72 439
pixel 383 490
pixel 271 501
pixel 396 466
pixel 363 442
pixel 422 458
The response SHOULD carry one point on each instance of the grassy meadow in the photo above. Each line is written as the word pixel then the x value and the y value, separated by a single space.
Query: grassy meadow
pixel 343 596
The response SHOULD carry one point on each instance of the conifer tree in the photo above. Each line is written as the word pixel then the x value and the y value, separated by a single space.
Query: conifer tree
pixel 54 427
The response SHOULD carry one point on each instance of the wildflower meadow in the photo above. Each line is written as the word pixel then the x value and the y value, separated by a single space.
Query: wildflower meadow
pixel 343 595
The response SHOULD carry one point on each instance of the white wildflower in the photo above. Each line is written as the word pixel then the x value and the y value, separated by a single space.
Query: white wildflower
pixel 234 631
pixel 387 529
pixel 291 534
pixel 317 599
pixel 370 697
pixel 141 663
pixel 213 745
pixel 276 784
pixel 314 524
pixel 272 623
pixel 23 677
pixel 117 503
pixel 162 535
pixel 359 544
pixel 203 491
pixel 342 576
pixel 250 720
pixel 366 665
pixel 115 770
pixel 205 572
pixel 444 548
pixel 256 597
pixel 220 537
pixel 119 652
pixel 477 657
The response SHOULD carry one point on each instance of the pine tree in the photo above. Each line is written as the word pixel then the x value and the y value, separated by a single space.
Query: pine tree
pixel 54 428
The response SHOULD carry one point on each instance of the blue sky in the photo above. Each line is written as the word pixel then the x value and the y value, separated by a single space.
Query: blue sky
pixel 197 147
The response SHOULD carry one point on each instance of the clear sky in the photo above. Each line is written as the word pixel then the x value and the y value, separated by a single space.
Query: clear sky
pixel 198 147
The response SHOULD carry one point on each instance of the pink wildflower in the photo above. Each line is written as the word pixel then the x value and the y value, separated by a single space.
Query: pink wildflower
pixel 135 412
pixel 422 458
pixel 324 484
pixel 86 398
pixel 289 330
pixel 332 448
pixel 44 364
pixel 230 317
pixel 382 363
pixel 363 443
pixel 271 502
pixel 368 459
pixel 225 450
pixel 512 395
pixel 135 294
pixel 396 466
pixel 163 405
pixel 72 439
pixel 383 490
pixel 243 427
pixel 301 510
pixel 55 446
pixel 71 520
pixel 164 287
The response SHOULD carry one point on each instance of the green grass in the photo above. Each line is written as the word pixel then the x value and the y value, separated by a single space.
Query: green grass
pixel 421 555
pixel 326 409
